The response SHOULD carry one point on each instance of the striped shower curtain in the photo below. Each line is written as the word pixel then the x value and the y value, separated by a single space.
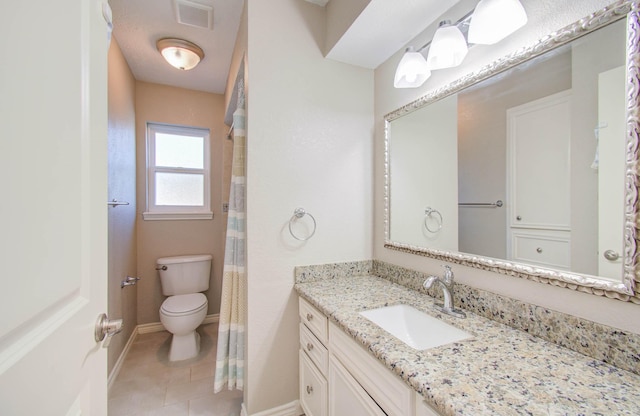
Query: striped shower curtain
pixel 230 354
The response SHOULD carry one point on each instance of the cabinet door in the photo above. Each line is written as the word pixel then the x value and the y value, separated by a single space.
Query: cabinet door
pixel 313 388
pixel 539 134
pixel 346 396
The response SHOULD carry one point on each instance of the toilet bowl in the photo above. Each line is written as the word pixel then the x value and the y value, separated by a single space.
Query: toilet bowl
pixel 181 315
pixel 182 279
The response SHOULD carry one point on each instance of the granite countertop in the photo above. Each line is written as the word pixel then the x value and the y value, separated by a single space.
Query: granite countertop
pixel 500 371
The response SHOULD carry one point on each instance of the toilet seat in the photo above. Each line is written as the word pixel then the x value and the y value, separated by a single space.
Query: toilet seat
pixel 180 305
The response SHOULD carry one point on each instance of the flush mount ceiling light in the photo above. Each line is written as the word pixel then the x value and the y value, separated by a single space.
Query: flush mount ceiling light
pixel 412 70
pixel 448 47
pixel 494 20
pixel 180 53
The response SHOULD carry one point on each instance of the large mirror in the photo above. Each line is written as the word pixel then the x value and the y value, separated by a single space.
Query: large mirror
pixel 529 166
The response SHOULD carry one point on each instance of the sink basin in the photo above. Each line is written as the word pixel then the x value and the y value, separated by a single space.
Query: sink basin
pixel 415 328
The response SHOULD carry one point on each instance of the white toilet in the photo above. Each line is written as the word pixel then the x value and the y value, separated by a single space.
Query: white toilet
pixel 182 278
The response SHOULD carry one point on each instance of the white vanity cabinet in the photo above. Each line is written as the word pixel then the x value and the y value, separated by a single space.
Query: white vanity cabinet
pixel 314 359
pixel 339 377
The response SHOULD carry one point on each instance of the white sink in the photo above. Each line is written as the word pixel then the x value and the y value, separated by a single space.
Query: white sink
pixel 413 327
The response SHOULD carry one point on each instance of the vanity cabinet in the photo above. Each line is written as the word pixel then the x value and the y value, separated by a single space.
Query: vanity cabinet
pixel 314 358
pixel 339 377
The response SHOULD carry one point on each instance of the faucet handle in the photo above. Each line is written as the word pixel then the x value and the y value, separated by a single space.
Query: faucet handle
pixel 448 274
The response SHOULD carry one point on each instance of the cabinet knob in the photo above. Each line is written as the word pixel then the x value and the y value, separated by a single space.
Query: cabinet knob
pixel 539 250
pixel 309 346
pixel 611 255
pixel 309 317
pixel 519 218
pixel 309 389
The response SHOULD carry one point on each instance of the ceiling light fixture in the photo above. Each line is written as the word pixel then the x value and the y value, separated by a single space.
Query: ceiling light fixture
pixel 180 53
pixel 490 22
pixel 448 47
pixel 494 20
pixel 412 70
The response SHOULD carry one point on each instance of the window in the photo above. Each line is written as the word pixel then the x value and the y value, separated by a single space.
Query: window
pixel 177 173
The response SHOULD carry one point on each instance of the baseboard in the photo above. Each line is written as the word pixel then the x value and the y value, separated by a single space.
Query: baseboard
pixel 116 368
pixel 145 329
pixel 289 409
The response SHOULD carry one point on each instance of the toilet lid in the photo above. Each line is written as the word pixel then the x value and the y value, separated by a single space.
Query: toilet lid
pixel 184 304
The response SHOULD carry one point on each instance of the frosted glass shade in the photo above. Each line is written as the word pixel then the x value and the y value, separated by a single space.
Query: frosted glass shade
pixel 448 47
pixel 412 71
pixel 494 20
pixel 180 53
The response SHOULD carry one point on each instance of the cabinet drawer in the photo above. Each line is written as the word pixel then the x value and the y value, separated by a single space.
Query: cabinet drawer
pixel 314 349
pixel 314 320
pixel 313 388
pixel 389 391
pixel 545 250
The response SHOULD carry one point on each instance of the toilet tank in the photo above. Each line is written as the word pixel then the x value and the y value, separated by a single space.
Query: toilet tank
pixel 181 275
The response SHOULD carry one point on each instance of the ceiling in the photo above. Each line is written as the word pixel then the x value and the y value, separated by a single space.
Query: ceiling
pixel 375 33
pixel 138 24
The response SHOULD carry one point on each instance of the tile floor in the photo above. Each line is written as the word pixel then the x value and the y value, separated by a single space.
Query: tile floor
pixel 148 384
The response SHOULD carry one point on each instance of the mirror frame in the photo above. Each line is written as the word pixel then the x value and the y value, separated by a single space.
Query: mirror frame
pixel 627 289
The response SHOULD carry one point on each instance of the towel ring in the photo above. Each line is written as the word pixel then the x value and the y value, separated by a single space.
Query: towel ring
pixel 427 214
pixel 297 214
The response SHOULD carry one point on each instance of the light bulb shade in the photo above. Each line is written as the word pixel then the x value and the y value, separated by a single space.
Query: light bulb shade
pixel 448 47
pixel 494 20
pixel 180 53
pixel 412 70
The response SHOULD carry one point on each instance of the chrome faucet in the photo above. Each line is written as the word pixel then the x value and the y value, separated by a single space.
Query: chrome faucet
pixel 446 282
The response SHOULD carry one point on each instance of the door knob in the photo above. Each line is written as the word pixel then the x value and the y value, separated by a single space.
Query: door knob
pixel 611 255
pixel 106 328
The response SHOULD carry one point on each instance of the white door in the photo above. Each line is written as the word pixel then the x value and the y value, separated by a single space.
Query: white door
pixel 611 170
pixel 53 116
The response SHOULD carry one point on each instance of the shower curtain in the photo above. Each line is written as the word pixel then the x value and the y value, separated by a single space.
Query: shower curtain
pixel 230 354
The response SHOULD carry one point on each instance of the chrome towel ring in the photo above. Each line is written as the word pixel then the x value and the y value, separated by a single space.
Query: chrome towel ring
pixel 428 214
pixel 298 214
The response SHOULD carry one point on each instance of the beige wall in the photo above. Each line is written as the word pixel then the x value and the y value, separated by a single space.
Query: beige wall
pixel 122 186
pixel 309 144
pixel 163 104
pixel 544 17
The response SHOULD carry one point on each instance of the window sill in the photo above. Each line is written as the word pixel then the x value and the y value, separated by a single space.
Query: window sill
pixel 169 216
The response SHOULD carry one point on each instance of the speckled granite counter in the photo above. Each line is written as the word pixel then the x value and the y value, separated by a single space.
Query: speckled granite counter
pixel 501 371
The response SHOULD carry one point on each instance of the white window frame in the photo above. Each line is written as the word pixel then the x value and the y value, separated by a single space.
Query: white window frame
pixel 176 212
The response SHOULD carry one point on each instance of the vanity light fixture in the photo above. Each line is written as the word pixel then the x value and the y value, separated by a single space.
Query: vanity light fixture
pixel 180 53
pixel 490 22
pixel 448 47
pixel 494 20
pixel 412 70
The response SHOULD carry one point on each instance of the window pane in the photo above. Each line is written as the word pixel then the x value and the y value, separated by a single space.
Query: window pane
pixel 177 151
pixel 182 189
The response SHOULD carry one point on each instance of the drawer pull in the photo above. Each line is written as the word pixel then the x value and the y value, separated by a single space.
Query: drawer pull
pixel 309 346
pixel 519 218
pixel 309 317
pixel 309 389
pixel 539 250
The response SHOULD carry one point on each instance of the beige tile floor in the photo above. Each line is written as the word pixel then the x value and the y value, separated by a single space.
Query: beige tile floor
pixel 148 384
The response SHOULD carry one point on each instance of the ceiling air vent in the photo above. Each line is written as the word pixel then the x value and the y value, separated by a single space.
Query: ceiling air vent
pixel 194 14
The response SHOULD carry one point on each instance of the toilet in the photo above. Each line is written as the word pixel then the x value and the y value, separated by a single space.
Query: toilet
pixel 182 279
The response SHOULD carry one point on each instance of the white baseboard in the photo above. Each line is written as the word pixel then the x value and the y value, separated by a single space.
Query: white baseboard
pixel 116 368
pixel 289 409
pixel 145 329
